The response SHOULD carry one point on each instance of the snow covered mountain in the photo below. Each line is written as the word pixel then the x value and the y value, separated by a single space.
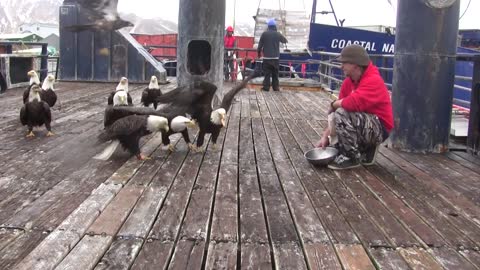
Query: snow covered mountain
pixel 13 13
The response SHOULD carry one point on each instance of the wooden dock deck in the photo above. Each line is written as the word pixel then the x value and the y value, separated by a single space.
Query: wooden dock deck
pixel 252 203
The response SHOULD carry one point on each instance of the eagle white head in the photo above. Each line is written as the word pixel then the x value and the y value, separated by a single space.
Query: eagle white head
pixel 157 123
pixel 120 98
pixel 33 77
pixel 153 83
pixel 34 93
pixel 218 116
pixel 122 85
pixel 48 82
pixel 179 123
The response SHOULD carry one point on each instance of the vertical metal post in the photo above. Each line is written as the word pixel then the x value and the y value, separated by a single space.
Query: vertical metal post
pixel 201 27
pixel 473 139
pixel 44 63
pixel 424 73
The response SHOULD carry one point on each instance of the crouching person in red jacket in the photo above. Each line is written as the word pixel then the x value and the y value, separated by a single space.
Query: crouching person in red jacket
pixel 362 116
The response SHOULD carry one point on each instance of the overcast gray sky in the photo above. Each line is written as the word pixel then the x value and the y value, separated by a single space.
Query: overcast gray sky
pixel 356 12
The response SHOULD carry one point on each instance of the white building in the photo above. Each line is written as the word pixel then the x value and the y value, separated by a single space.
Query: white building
pixel 41 29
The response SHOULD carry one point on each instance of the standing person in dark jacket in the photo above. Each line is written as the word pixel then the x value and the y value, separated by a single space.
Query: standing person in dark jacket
pixel 3 83
pixel 270 45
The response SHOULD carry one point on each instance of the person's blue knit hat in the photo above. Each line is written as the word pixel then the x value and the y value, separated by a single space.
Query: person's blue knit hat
pixel 271 22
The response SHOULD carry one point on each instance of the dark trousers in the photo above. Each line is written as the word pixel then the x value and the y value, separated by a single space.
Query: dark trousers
pixel 270 69
pixel 3 83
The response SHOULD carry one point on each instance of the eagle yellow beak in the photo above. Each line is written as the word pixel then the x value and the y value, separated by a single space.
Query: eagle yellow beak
pixel 191 124
pixel 122 99
pixel 223 122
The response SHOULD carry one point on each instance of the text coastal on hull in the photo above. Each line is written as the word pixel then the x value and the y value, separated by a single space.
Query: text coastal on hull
pixel 368 45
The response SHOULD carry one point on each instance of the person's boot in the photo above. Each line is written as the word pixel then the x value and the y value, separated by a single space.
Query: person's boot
pixel 342 162
pixel 368 158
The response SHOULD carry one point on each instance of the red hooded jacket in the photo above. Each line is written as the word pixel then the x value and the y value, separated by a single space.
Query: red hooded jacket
pixel 369 95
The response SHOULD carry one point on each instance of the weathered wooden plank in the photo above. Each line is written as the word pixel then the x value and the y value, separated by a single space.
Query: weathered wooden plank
pixel 321 256
pixel 80 219
pixel 110 220
pixel 262 153
pixel 451 259
pixel 19 248
pixel 255 256
pixel 123 175
pixel 463 162
pixel 354 257
pixel 431 188
pixel 188 255
pixel 470 176
pixel 197 218
pixel 67 235
pixel 419 259
pixel 276 146
pixel 424 202
pixel 145 174
pixel 86 253
pixel 222 255
pixel 264 112
pixel 172 213
pixel 394 230
pixel 253 228
pixel 50 251
pixel 143 215
pixel 225 222
pixel 7 236
pixel 472 255
pixel 387 258
pixel 288 255
pixel 154 255
pixel 121 254
pixel 467 156
pixel 405 214
pixel 443 173
pixel 339 229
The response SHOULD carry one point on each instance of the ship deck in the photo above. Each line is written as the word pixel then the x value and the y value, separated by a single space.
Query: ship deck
pixel 252 203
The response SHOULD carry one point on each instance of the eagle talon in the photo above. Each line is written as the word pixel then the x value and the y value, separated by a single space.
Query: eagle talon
pixel 192 147
pixel 30 134
pixel 143 157
pixel 50 134
pixel 171 148
pixel 214 146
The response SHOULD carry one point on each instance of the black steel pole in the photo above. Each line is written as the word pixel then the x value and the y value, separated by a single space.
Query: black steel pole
pixel 473 139
pixel 424 73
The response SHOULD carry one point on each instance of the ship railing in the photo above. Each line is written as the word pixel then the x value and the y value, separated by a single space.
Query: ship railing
pixel 331 76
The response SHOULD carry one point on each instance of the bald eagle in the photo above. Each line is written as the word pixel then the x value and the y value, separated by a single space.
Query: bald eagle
pixel 196 101
pixel 150 94
pixel 33 80
pixel 48 94
pixel 178 124
pixel 127 131
pixel 103 15
pixel 122 86
pixel 35 112
pixel 111 115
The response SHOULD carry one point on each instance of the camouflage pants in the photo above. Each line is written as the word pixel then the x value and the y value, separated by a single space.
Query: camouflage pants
pixel 357 132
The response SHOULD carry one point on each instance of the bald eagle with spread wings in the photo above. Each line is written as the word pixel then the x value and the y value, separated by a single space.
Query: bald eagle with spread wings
pixel 102 14
pixel 197 102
